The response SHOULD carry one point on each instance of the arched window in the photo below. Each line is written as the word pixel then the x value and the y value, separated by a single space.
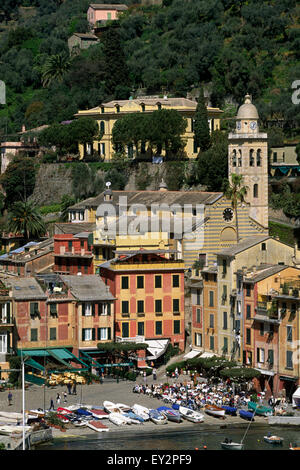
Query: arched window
pixel 233 158
pixel 255 190
pixel 240 158
pixel 258 157
pixel 251 157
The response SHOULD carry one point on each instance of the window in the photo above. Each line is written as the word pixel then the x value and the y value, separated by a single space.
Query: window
pixel 140 329
pixel 248 290
pixel 198 315
pixel 52 334
pixel 255 190
pixel 33 334
pixel 102 334
pixel 104 308
pixel 251 158
pixel 158 306
pixel 224 261
pixel 88 334
pixel 158 282
pixel 176 305
pixel 289 333
pixel 124 282
pixel 125 307
pixel 140 282
pixel 69 246
pixel 140 306
pixel 258 157
pixel 224 320
pixel 88 309
pixel 274 157
pixel 211 343
pixel 248 311
pixel 34 309
pixel 53 310
pixel 263 247
pixel 198 339
pixel 237 326
pixel 158 328
pixel 102 126
pixel 125 330
pixel 224 295
pixel 175 280
pixel 225 346
pixel 260 355
pixel 3 344
pixel 248 335
pixel 234 158
pixel 176 327
pixel 211 298
pixel 198 298
pixel 270 359
pixel 211 321
pixel 261 329
pixel 240 158
pixel 289 359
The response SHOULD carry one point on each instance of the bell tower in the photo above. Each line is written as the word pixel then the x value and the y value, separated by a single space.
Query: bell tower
pixel 248 156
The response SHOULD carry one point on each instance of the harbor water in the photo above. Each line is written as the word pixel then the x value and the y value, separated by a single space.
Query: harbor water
pixel 177 440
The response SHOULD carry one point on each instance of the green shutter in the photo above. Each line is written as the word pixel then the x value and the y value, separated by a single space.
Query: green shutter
pixel 108 333
pixel 93 334
pixel 83 309
pixel 93 309
pixel 109 308
pixel 82 334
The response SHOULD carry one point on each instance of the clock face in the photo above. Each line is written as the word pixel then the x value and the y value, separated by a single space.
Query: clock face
pixel 253 125
pixel 228 214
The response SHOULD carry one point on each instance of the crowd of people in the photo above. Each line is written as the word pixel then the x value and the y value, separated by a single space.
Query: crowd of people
pixel 197 395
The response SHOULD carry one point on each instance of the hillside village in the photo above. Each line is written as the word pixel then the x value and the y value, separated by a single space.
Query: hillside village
pixel 195 255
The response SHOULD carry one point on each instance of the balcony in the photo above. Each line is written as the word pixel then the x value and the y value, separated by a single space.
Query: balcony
pixel 267 312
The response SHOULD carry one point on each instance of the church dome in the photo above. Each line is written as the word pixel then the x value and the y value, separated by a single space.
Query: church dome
pixel 247 110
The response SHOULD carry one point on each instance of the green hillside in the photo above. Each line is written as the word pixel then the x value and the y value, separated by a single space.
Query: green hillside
pixel 232 47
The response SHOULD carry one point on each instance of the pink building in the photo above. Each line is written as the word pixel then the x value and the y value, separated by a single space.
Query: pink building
pixel 98 12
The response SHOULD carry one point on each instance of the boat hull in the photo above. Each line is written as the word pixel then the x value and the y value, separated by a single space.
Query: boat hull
pixel 247 415
pixel 273 440
pixel 232 446
pixel 260 410
pixel 215 411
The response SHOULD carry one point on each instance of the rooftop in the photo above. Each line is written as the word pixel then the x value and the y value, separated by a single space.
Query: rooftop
pixel 87 288
pixel 24 288
pixel 243 245
pixel 101 6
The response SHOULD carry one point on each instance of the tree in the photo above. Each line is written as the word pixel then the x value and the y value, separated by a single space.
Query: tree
pixel 18 181
pixel 25 219
pixel 201 127
pixel 236 192
pixel 55 68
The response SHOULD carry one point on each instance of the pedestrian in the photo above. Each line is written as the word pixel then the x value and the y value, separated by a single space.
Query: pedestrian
pixel 74 389
pixel 65 397
pixel 154 374
pixel 145 377
pixel 69 388
pixel 58 399
pixel 176 372
pixel 9 397
pixel 51 405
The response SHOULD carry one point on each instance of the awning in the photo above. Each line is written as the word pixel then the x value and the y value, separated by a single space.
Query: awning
pixel 286 377
pixel 192 353
pixel 62 355
pixel 156 348
pixel 208 354
pixel 265 372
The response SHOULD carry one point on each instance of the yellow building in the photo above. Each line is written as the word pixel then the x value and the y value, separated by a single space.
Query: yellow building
pixel 107 113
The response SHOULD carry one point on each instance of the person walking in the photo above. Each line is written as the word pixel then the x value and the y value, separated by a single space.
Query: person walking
pixel 58 399
pixel 154 373
pixel 74 389
pixel 9 398
pixel 176 372
pixel 145 377
pixel 65 397
pixel 51 405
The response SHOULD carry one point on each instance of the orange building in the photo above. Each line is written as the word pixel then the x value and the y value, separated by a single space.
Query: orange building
pixel 271 327
pixel 149 292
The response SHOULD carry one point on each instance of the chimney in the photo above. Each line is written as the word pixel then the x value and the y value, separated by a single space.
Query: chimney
pixel 163 186
pixel 108 196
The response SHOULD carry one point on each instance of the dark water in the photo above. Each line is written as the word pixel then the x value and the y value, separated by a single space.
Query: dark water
pixel 178 440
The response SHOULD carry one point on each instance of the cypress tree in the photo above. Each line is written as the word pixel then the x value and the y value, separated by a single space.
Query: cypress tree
pixel 201 127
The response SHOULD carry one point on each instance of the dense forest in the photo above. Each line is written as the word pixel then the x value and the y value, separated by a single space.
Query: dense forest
pixel 231 47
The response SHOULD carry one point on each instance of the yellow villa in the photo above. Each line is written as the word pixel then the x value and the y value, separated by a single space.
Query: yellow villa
pixel 107 113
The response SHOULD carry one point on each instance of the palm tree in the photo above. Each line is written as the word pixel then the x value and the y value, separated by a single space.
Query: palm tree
pixel 25 219
pixel 236 192
pixel 55 68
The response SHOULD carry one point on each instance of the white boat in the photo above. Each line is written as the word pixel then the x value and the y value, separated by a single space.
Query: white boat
pixel 273 439
pixel 9 429
pixel 118 419
pixel 96 425
pixel 99 413
pixel 122 407
pixel 141 411
pixel 11 414
pixel 111 407
pixel 157 417
pixel 191 415
pixel 215 411
pixel 232 445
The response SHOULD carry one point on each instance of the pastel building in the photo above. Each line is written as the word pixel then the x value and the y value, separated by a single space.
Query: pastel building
pixel 149 292
pixel 98 12
pixel 106 114
pixel 73 253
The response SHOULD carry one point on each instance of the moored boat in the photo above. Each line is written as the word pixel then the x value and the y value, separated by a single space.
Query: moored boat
pixel 96 425
pixel 118 419
pixel 135 419
pixel 260 410
pixel 190 415
pixel 273 439
pixel 99 414
pixel 172 415
pixel 215 411
pixel 248 415
pixel 229 410
pixel 111 407
pixel 229 445
pixel 122 407
pixel 157 417
pixel 141 411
